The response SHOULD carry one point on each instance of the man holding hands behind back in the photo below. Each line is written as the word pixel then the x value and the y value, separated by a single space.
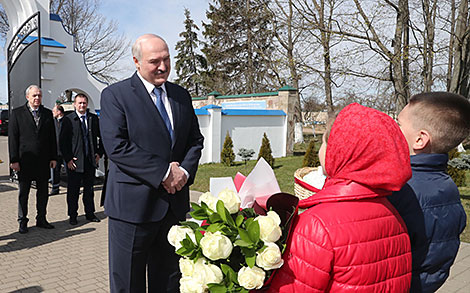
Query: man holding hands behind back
pixel 151 135
pixel 33 151
pixel 81 151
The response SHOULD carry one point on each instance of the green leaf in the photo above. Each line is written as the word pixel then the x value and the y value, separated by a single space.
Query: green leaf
pixel 199 236
pixel 221 210
pixel 245 236
pixel 190 224
pixel 229 273
pixel 215 227
pixel 242 243
pixel 224 213
pixel 200 214
pixel 250 260
pixel 195 206
pixel 214 218
pixel 253 231
pixel 239 220
pixel 217 288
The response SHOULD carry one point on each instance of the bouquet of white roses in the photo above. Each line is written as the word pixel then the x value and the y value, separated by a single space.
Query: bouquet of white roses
pixel 233 249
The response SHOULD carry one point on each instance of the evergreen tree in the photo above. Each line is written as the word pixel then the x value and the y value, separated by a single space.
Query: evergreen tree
pixel 265 151
pixel 190 65
pixel 227 156
pixel 239 47
pixel 311 157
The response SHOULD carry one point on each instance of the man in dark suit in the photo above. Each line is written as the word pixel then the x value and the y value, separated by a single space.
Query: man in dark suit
pixel 81 150
pixel 33 151
pixel 152 138
pixel 58 113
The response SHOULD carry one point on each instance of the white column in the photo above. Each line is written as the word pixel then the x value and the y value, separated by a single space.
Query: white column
pixel 215 141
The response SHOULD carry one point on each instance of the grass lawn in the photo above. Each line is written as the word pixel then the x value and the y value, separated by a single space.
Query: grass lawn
pixel 465 196
pixel 284 169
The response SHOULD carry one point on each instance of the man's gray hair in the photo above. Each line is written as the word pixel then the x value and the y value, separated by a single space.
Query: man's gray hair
pixel 31 87
pixel 137 46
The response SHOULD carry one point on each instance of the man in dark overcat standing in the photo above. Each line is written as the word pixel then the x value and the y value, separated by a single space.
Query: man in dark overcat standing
pixel 33 151
pixel 152 138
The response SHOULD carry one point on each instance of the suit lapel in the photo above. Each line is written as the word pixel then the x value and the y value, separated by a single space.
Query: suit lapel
pixel 146 104
pixel 42 116
pixel 175 109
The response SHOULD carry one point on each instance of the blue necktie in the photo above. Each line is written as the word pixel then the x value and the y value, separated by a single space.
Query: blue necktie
pixel 86 144
pixel 161 108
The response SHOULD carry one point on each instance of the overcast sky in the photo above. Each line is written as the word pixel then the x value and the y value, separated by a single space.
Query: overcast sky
pixel 164 18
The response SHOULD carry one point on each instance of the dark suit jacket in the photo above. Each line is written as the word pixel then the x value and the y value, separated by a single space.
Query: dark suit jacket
pixel 58 127
pixel 139 148
pixel 71 140
pixel 33 147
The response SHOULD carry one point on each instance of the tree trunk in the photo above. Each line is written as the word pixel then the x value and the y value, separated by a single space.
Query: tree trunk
pixel 459 80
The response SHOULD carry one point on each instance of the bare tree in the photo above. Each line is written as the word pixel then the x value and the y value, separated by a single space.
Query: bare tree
pixel 459 82
pixel 289 33
pixel 318 15
pixel 94 36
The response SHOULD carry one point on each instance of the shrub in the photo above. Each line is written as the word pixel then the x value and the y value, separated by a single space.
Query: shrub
pixel 227 156
pixel 458 175
pixel 246 154
pixel 311 157
pixel 265 151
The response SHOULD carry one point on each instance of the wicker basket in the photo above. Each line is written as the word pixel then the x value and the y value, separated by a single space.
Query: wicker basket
pixel 302 189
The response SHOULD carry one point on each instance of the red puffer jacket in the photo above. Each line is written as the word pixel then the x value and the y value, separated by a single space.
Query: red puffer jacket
pixel 351 239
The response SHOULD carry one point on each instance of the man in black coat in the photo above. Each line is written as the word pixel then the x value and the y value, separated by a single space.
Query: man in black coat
pixel 152 138
pixel 33 151
pixel 58 113
pixel 81 150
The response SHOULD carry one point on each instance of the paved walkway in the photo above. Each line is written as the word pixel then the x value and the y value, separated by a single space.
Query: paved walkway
pixel 75 258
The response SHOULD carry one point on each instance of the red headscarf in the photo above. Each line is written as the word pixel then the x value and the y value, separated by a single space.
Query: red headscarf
pixel 366 156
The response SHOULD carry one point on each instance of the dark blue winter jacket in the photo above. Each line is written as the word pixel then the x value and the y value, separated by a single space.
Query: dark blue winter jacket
pixel 430 206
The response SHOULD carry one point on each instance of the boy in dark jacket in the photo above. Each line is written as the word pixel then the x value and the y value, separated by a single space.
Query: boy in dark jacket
pixel 433 124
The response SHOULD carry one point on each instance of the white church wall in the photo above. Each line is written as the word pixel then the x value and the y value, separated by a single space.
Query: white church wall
pixel 246 132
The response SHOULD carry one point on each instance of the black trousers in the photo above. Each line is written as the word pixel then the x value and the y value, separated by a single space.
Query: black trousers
pixel 56 174
pixel 42 197
pixel 137 248
pixel 74 181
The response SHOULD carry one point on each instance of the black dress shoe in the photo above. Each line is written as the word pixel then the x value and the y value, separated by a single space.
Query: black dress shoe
pixel 54 192
pixel 44 224
pixel 93 219
pixel 23 228
pixel 73 221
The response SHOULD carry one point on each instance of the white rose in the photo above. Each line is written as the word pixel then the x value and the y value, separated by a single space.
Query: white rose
pixel 269 227
pixel 191 285
pixel 186 267
pixel 230 199
pixel 209 200
pixel 178 233
pixel 251 278
pixel 216 246
pixel 207 272
pixel 198 274
pixel 270 258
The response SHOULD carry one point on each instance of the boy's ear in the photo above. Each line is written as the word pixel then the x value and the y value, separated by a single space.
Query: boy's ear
pixel 422 141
